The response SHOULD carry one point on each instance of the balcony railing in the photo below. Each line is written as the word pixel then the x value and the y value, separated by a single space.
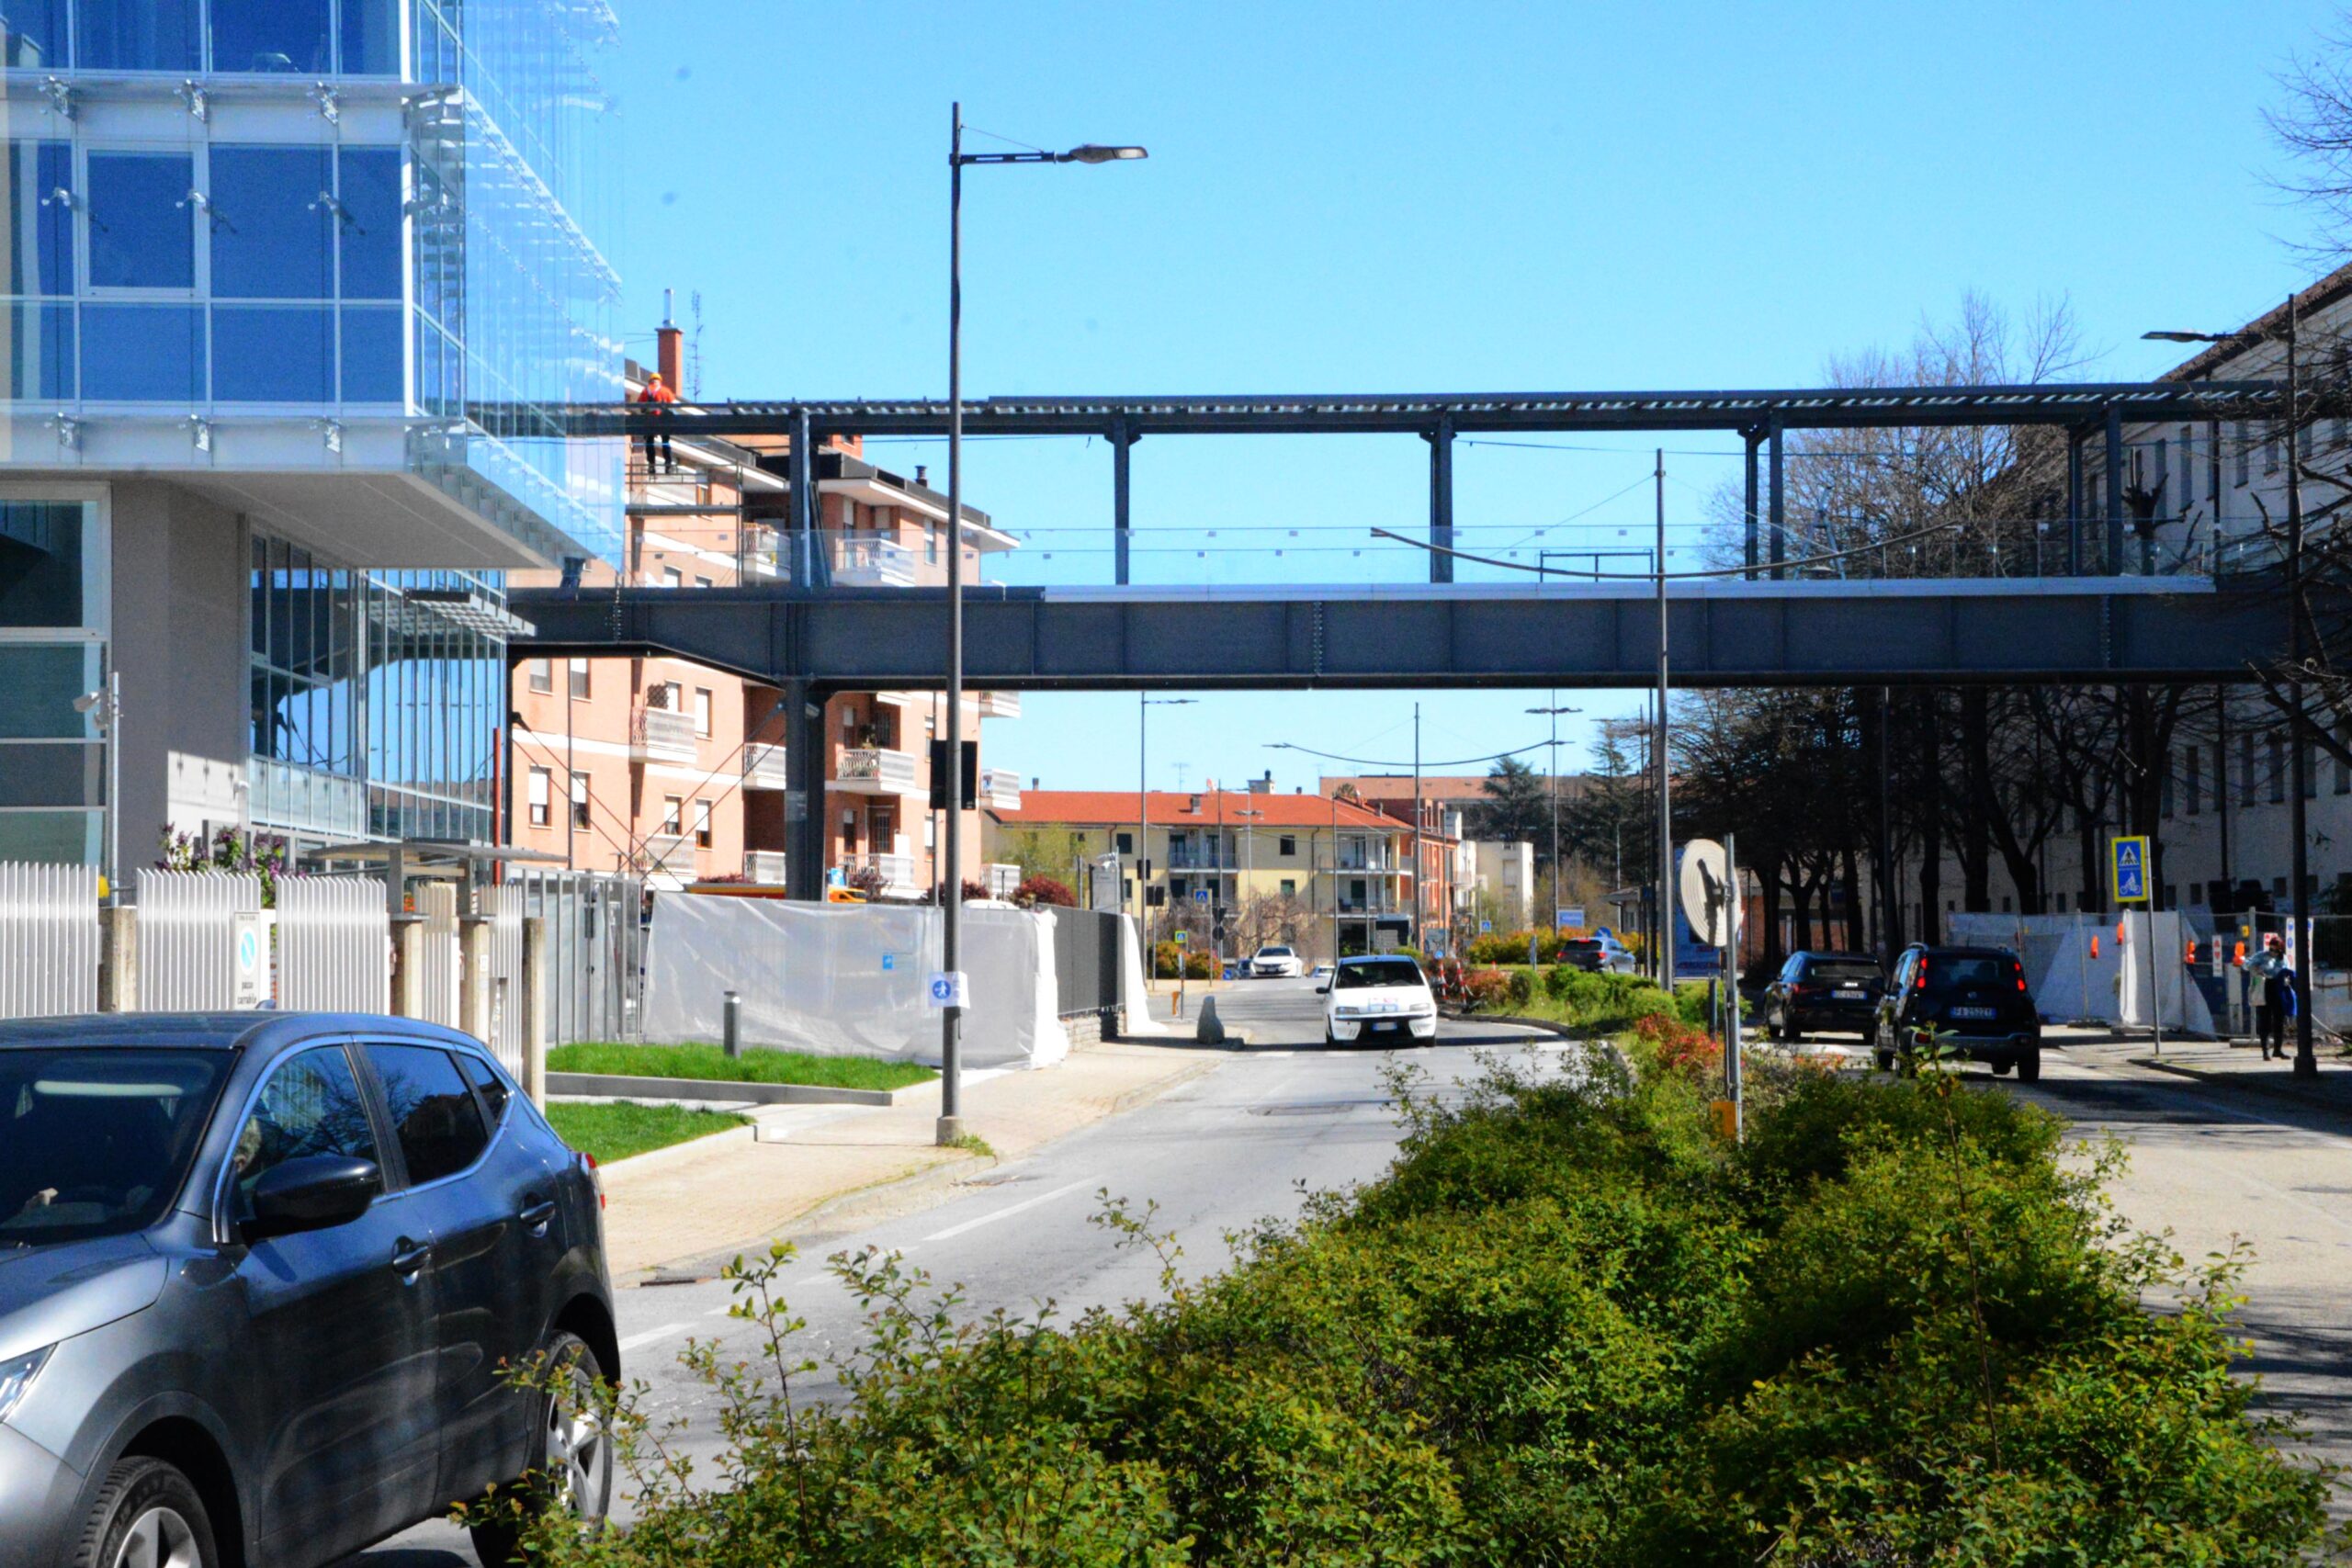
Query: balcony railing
pixel 671 854
pixel 870 769
pixel 895 873
pixel 661 735
pixel 765 866
pixel 1003 880
pixel 1000 789
pixel 865 562
pixel 763 767
pixel 1000 704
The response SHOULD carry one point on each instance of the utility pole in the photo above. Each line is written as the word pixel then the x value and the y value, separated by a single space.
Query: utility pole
pixel 1665 769
pixel 1420 863
pixel 2306 1064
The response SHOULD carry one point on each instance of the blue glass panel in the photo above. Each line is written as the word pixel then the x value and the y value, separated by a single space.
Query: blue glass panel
pixel 140 35
pixel 371 223
pixel 32 34
pixel 142 231
pixel 271 36
pixel 39 227
pixel 270 227
pixel 40 350
pixel 273 353
pixel 371 356
pixel 38 685
pixel 51 838
pixel 371 38
pixel 142 353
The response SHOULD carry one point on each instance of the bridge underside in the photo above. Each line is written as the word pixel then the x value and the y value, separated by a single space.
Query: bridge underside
pixel 2058 630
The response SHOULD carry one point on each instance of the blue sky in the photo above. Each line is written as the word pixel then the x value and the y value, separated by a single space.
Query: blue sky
pixel 1355 197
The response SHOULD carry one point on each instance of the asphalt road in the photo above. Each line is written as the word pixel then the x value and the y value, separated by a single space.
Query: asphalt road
pixel 1216 1154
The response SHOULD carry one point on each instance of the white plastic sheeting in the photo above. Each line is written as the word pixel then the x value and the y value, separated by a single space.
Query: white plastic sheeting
pixel 2070 983
pixel 849 979
pixel 1135 997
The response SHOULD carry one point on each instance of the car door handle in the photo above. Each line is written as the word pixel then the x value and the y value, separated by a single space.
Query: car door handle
pixel 535 1216
pixel 409 1257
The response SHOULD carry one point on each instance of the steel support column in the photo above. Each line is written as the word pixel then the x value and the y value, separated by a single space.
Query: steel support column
pixel 1780 510
pixel 804 801
pixel 2073 503
pixel 2114 492
pixel 1122 438
pixel 805 510
pixel 1440 440
pixel 1749 533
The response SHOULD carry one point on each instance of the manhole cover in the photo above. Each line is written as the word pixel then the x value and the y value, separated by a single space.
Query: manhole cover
pixel 681 1277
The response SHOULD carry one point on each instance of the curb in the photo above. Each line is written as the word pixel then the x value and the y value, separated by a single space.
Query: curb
pixel 2248 1085
pixel 1558 1032
pixel 627 1086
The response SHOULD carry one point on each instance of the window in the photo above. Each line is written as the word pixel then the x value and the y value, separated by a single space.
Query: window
pixel 369 221
pixel 147 353
pixel 931 544
pixel 2170 901
pixel 310 1106
pixel 2187 470
pixel 672 694
pixel 702 711
pixel 541 674
pixel 492 1088
pixel 141 35
pixel 702 824
pixel 2243 444
pixel 541 786
pixel 272 36
pixel 434 1115
pixel 39 185
pixel 2270 451
pixel 372 372
pixel 273 353
pixel 32 35
pixel 578 673
pixel 2061 903
pixel 579 800
pixel 1288 847
pixel 701 582
pixel 674 815
pixel 2190 777
pixel 372 38
pixel 142 226
pixel 273 223
pixel 1126 843
pixel 1289 888
pixel 673 578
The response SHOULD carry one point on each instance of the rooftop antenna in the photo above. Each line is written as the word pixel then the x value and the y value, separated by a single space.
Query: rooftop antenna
pixel 693 348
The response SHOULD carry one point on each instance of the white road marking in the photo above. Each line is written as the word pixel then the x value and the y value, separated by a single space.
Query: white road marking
pixel 1007 1213
pixel 639 1341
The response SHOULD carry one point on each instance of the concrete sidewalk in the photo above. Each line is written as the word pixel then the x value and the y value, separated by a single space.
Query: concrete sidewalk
pixel 2237 1068
pixel 738 1189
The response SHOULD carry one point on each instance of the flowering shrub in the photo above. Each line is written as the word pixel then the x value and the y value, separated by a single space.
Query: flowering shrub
pixel 1043 890
pixel 1679 1047
pixel 226 850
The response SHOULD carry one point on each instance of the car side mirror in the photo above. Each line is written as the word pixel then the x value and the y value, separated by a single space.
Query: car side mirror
pixel 1322 990
pixel 312 1193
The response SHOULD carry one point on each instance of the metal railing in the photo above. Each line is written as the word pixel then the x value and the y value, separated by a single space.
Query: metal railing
pixel 187 937
pixel 1003 880
pixel 862 561
pixel 333 935
pixel 765 866
pixel 763 767
pixel 897 872
pixel 664 733
pixel 888 771
pixel 1000 789
pixel 49 939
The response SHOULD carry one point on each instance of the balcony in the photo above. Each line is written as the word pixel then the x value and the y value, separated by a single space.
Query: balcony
pixel 661 735
pixel 1000 789
pixel 867 561
pixel 870 770
pixel 1000 704
pixel 1003 880
pixel 761 555
pixel 1359 858
pixel 671 854
pixel 763 767
pixel 763 866
pixel 890 876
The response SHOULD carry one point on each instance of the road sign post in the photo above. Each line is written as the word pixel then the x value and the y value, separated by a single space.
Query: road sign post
pixel 2128 872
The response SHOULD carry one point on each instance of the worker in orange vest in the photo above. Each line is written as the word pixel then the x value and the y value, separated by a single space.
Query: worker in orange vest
pixel 657 391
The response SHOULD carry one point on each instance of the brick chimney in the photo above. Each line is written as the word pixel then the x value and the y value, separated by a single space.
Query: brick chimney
pixel 670 354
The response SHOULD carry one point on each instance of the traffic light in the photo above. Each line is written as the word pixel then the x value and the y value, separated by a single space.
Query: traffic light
pixel 939 774
pixel 1155 898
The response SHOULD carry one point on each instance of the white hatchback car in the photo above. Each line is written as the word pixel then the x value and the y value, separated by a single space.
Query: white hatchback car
pixel 1270 963
pixel 1378 998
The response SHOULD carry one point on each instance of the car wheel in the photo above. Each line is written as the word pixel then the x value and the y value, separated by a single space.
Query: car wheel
pixel 2001 1066
pixel 572 1466
pixel 1331 1041
pixel 147 1516
pixel 2029 1066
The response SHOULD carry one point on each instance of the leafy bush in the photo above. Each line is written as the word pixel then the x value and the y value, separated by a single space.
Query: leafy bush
pixel 1035 890
pixel 1569 1327
pixel 1166 955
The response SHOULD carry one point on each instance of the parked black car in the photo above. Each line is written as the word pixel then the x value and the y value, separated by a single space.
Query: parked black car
pixel 258 1276
pixel 1818 991
pixel 1972 1001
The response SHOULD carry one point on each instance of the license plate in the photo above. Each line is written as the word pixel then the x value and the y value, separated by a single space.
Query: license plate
pixel 1853 996
pixel 1972 1012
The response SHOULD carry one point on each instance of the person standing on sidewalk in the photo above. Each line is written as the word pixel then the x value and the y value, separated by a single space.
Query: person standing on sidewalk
pixel 2270 971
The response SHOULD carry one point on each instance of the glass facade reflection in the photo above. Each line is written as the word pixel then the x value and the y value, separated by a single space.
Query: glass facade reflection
pixel 53 622
pixel 375 715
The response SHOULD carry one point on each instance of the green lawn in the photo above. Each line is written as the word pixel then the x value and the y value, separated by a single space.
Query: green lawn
pixel 755 1065
pixel 617 1131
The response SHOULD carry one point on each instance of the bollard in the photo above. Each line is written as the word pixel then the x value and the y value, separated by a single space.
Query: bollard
pixel 731 1030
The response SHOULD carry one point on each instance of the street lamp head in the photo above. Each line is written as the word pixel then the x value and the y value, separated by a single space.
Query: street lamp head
pixel 2186 337
pixel 1090 153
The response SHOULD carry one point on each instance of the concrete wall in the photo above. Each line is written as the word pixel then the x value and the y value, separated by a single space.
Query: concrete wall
pixel 181 640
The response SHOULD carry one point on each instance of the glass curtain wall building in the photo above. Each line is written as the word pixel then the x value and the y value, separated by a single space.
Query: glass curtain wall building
pixel 297 284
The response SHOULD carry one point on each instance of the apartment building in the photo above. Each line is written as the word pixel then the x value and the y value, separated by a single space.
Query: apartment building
pixel 1503 880
pixel 293 286
pixel 1348 868
pixel 676 771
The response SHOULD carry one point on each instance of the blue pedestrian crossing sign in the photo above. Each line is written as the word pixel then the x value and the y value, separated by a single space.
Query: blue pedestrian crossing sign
pixel 2128 868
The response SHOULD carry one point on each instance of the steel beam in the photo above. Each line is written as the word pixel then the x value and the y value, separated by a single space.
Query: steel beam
pixel 1780 517
pixel 2073 503
pixel 2114 492
pixel 1440 440
pixel 1726 634
pixel 805 760
pixel 1749 535
pixel 1122 440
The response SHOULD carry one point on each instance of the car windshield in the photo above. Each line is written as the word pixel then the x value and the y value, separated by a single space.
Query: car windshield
pixel 1951 972
pixel 96 1142
pixel 1843 974
pixel 1273 952
pixel 1582 945
pixel 1378 972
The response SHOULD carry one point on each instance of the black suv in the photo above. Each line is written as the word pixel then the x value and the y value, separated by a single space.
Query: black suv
pixel 1817 991
pixel 1972 1001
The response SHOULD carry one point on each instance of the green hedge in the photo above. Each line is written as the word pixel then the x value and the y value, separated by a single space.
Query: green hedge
pixel 1569 1328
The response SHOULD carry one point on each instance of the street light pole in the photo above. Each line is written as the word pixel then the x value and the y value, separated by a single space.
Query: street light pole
pixel 951 1023
pixel 1143 820
pixel 1554 711
pixel 1665 769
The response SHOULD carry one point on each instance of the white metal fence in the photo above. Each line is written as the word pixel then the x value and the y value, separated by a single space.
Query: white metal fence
pixel 49 939
pixel 593 954
pixel 503 994
pixel 187 937
pixel 334 945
